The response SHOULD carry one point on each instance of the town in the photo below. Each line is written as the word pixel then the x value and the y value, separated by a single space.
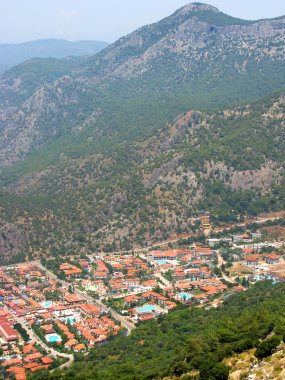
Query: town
pixel 56 308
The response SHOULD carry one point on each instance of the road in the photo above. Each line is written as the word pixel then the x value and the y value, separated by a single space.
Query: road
pixel 158 275
pixel 124 322
pixel 142 250
pixel 163 280
pixel 246 223
pixel 220 263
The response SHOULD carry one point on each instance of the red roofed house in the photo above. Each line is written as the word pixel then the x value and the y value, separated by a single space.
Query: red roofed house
pixel 248 251
pixel 132 299
pixel 204 253
pixel 79 348
pixel 72 298
pixel 7 332
pixel 272 259
pixel 46 360
pixel 252 260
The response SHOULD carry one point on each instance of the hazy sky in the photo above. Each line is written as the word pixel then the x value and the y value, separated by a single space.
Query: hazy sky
pixel 26 20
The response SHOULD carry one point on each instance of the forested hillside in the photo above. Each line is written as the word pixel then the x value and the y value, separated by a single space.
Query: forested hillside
pixel 189 341
pixel 230 163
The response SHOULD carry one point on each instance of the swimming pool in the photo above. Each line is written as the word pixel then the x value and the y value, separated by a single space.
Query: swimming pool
pixel 146 308
pixel 47 304
pixel 70 319
pixel 184 296
pixel 161 262
pixel 53 338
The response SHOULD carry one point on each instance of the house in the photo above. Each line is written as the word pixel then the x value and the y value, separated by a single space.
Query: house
pixel 46 360
pixel 193 273
pixel 29 348
pixel 205 221
pixel 256 235
pixel 32 357
pixel 248 251
pixel 252 260
pixel 204 253
pixel 70 343
pixel 7 332
pixel 79 348
pixel 155 297
pixel 101 275
pixel 164 255
pixel 212 242
pixel 272 259
pixel 19 372
pixel 72 298
pixel 150 283
pixel 129 300
pixel 15 361
pixel 89 309
pixel 48 329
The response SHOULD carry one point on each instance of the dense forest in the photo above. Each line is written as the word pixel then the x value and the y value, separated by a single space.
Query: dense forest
pixel 189 341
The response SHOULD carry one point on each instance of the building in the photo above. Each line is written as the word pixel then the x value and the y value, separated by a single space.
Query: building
pixel 272 259
pixel 7 332
pixel 252 260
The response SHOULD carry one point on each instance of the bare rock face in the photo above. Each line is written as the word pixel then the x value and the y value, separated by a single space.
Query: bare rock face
pixel 12 242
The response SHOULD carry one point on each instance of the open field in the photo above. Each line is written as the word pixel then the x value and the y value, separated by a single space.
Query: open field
pixel 278 269
pixel 274 232
pixel 239 269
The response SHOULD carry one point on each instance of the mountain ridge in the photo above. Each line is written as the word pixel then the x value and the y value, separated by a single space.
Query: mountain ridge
pixel 13 54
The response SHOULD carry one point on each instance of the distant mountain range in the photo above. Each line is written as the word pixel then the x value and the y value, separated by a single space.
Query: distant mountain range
pixel 121 148
pixel 13 54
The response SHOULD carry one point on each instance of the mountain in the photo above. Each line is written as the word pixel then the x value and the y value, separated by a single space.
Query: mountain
pixel 198 58
pixel 13 54
pixel 121 148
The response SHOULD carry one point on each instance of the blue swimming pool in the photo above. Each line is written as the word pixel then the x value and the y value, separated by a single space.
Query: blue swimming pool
pixel 47 304
pixel 53 338
pixel 146 308
pixel 70 319
pixel 161 262
pixel 184 296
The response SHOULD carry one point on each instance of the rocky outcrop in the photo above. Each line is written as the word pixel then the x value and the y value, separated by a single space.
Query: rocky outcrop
pixel 13 242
